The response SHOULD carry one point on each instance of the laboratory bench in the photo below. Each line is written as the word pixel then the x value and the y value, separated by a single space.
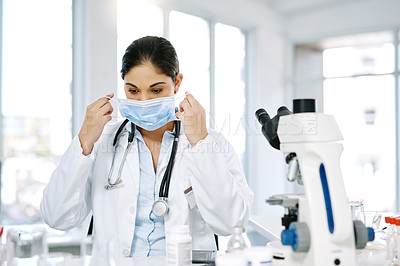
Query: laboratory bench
pixel 268 226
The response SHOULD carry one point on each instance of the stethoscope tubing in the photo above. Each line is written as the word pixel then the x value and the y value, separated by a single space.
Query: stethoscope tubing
pixel 118 135
pixel 164 187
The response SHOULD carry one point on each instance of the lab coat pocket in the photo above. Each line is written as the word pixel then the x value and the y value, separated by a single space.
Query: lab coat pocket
pixel 197 223
pixel 190 197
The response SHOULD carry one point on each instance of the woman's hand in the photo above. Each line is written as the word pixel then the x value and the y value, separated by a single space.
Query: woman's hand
pixel 193 119
pixel 98 114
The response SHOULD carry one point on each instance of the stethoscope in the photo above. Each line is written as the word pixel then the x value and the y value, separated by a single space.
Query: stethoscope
pixel 160 207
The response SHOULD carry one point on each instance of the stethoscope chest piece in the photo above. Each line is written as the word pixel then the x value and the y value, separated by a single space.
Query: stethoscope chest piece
pixel 160 207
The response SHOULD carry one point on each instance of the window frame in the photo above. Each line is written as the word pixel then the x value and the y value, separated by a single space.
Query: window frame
pixel 211 24
pixel 1 99
pixel 395 74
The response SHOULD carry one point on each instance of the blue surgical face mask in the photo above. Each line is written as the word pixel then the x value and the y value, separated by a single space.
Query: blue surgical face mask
pixel 149 115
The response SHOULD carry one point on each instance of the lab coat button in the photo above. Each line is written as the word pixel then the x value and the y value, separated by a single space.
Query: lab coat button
pixel 125 252
pixel 132 209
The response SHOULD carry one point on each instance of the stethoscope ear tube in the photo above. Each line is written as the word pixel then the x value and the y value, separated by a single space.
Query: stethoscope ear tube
pixel 122 126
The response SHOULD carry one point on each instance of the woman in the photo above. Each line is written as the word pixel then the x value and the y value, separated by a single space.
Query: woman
pixel 207 188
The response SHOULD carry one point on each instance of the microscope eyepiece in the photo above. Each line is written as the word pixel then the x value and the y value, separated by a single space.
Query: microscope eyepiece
pixel 283 110
pixel 304 106
pixel 262 116
pixel 270 126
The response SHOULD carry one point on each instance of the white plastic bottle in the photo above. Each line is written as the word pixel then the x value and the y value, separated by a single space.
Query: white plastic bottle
pixel 237 241
pixel 179 246
pixel 389 238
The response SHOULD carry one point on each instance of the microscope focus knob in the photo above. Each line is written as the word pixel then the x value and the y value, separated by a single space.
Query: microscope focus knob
pixel 297 236
pixel 371 234
pixel 362 234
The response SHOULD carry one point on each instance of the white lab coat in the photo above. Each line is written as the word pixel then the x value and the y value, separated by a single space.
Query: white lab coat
pixel 213 170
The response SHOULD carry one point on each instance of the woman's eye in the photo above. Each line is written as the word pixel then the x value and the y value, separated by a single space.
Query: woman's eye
pixel 157 90
pixel 133 91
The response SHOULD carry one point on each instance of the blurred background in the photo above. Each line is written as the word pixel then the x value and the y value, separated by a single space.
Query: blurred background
pixel 58 56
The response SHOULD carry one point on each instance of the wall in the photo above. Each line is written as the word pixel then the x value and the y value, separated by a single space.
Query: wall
pixel 330 20
pixel 95 53
pixel 343 18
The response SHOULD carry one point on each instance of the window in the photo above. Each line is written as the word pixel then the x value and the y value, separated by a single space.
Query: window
pixel 191 38
pixel 36 102
pixel 355 77
pixel 211 57
pixel 364 108
pixel 230 85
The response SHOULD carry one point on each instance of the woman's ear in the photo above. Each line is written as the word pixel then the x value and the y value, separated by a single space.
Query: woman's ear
pixel 178 82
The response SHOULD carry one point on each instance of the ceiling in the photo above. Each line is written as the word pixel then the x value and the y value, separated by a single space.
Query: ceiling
pixel 293 6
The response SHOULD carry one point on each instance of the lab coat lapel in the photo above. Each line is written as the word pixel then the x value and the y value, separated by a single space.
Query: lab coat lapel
pixel 176 200
pixel 131 170
pixel 183 142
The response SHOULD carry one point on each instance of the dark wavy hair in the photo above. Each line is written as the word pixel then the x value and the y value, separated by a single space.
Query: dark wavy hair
pixel 157 50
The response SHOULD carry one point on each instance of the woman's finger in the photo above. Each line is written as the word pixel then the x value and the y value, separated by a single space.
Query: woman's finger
pixel 104 100
pixel 107 108
pixel 184 105
pixel 179 115
pixel 107 118
pixel 187 99
pixel 192 101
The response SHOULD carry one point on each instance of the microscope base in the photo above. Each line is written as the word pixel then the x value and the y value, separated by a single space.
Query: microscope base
pixel 284 255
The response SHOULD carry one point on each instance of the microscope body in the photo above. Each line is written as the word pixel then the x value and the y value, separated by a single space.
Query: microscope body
pixel 319 227
pixel 314 140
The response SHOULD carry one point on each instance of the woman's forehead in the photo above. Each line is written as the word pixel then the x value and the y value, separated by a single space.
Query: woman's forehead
pixel 147 73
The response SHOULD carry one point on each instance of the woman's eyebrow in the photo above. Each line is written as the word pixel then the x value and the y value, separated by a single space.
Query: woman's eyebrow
pixel 155 84
pixel 130 84
pixel 151 86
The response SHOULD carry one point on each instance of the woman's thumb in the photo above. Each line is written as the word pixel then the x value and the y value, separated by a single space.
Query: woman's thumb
pixel 179 115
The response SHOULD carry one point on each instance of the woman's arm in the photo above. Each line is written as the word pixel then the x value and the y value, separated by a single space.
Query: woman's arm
pixel 219 185
pixel 66 198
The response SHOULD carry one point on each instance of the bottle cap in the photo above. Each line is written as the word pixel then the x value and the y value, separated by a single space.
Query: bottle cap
pixel 391 219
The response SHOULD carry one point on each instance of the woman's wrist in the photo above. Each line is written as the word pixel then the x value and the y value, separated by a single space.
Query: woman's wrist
pixel 86 146
pixel 194 142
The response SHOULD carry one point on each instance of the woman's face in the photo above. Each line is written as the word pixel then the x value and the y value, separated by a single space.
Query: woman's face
pixel 146 82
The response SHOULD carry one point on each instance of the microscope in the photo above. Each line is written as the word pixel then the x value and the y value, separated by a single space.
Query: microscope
pixel 319 230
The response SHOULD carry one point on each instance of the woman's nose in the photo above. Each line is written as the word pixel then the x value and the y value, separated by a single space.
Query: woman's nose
pixel 144 98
